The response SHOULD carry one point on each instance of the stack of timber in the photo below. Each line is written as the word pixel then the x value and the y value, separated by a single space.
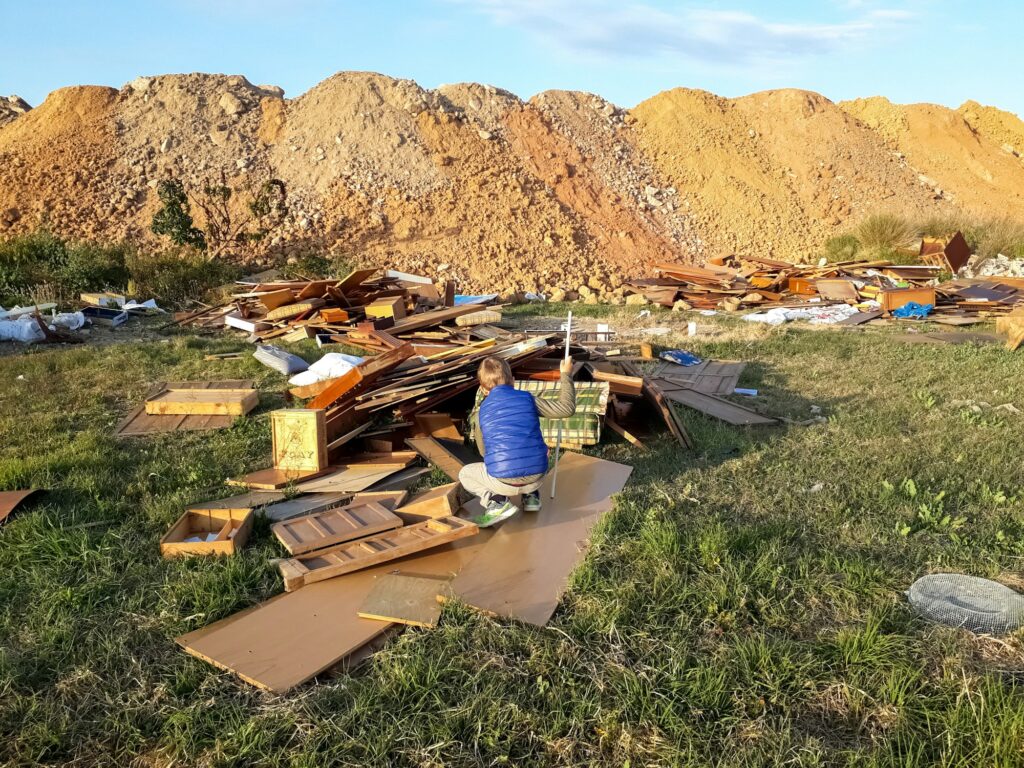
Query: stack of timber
pixel 877 287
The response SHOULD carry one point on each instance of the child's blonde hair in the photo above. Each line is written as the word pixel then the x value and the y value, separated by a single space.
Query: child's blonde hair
pixel 492 372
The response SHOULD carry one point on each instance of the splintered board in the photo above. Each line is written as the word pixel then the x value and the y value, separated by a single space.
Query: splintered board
pixel 716 407
pixel 334 526
pixel 405 599
pixel 138 422
pixel 283 642
pixel 356 555
pixel 523 570
pixel 203 402
pixel 299 437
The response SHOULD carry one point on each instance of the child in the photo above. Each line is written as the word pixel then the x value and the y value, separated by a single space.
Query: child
pixel 507 426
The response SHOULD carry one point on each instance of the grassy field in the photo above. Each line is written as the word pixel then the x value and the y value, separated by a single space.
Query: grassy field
pixel 742 605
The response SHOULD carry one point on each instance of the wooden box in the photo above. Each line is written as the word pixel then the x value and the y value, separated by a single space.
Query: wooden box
pixel 299 438
pixel 221 532
pixel 393 307
pixel 203 402
pixel 898 297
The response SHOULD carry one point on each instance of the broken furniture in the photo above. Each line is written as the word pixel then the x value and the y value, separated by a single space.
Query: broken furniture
pixel 208 532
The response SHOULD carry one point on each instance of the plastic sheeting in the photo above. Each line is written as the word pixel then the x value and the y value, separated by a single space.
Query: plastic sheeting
pixel 825 315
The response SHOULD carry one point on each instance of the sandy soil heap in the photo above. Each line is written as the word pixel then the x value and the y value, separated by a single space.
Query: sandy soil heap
pixel 561 191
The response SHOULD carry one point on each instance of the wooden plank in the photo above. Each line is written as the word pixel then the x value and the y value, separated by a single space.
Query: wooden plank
pixel 305 505
pixel 352 556
pixel 619 384
pixel 393 307
pixel 299 439
pixel 837 290
pixel 434 317
pixel 654 395
pixel 716 407
pixel 861 317
pixel 138 422
pixel 274 299
pixel 405 599
pixel 293 310
pixel 11 499
pixel 437 425
pixel 437 454
pixel 523 570
pixel 351 477
pixel 251 500
pixel 442 501
pixel 361 375
pixel 272 479
pixel 623 432
pixel 205 402
pixel 334 526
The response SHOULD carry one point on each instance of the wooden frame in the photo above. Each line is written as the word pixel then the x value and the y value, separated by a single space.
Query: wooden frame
pixel 334 526
pixel 202 402
pixel 199 521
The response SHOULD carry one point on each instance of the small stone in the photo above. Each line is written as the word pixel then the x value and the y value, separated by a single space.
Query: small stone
pixel 485 135
pixel 681 306
pixel 166 144
pixel 591 299
pixel 231 104
pixel 636 300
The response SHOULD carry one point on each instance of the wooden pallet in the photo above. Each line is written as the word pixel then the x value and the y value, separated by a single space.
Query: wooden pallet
pixel 138 422
pixel 356 555
pixel 334 526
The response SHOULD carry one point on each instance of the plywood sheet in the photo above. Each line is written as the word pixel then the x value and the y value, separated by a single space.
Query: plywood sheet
pixel 293 637
pixel 271 479
pixel 524 569
pixel 351 477
pixel 713 377
pixel 334 526
pixel 138 422
pixel 250 500
pixel 356 555
pixel 437 454
pixel 405 599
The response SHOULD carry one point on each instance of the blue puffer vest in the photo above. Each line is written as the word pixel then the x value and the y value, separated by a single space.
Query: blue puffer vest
pixel 513 444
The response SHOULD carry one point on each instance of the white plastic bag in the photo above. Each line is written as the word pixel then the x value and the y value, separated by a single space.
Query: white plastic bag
pixel 26 330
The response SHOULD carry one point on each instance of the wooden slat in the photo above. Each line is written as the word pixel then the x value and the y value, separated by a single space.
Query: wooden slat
pixel 442 501
pixel 356 555
pixel 334 526
pixel 272 479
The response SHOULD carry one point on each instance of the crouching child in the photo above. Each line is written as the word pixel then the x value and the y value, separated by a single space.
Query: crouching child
pixel 508 436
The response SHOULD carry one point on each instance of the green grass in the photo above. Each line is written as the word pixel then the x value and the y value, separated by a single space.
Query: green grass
pixel 741 606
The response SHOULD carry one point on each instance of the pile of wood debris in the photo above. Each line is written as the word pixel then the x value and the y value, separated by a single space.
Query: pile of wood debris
pixel 732 283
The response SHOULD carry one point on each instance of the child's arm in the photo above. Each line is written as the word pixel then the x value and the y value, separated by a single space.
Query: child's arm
pixel 565 406
pixel 478 434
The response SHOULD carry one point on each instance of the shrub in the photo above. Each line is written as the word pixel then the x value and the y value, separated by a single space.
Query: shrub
pixel 43 264
pixel 174 219
pixel 91 267
pixel 842 248
pixel 883 232
pixel 174 277
pixel 309 265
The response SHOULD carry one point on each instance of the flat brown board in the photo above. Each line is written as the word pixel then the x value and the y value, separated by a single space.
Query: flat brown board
pixel 352 556
pixel 713 377
pixel 304 505
pixel 334 526
pixel 524 569
pixel 352 477
pixel 437 454
pixel 250 500
pixel 138 422
pixel 285 641
pixel 11 499
pixel 837 290
pixel 441 501
pixel 716 407
pixel 437 425
pixel 861 317
pixel 405 599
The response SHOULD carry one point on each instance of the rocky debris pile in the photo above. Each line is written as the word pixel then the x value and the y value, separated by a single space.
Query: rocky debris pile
pixel 564 194
pixel 999 265
pixel 998 126
pixel 11 107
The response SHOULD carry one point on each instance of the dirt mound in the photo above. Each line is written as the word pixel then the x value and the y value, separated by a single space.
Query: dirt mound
pixel 470 181
pixel 775 172
pixel 959 163
pixel 12 107
pixel 996 125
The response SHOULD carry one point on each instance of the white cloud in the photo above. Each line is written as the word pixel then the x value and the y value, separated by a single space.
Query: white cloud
pixel 637 29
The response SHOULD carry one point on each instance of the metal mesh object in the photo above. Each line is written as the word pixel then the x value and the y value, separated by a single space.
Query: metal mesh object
pixel 977 604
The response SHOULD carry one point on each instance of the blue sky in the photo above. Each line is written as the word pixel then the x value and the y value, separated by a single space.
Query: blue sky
pixel 943 51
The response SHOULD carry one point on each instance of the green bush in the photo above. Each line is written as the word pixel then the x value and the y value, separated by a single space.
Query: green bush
pixel 174 277
pixel 884 232
pixel 842 248
pixel 309 265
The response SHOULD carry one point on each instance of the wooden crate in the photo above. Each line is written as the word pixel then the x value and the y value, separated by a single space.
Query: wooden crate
pixel 231 526
pixel 205 402
pixel 299 437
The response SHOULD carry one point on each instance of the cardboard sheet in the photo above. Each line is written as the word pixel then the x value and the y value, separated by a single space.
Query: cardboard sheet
pixel 290 638
pixel 523 571
pixel 11 499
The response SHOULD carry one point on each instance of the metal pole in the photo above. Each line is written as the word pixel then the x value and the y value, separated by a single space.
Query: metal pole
pixel 558 442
